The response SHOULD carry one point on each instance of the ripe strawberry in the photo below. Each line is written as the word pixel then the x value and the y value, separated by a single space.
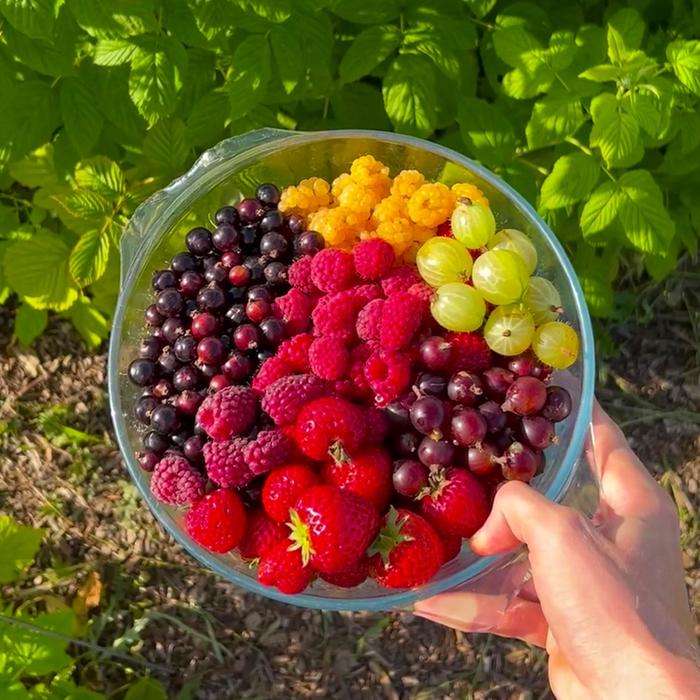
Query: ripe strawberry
pixel 283 486
pixel 451 546
pixel 350 577
pixel 326 421
pixel 217 521
pixel 332 527
pixel 366 473
pixel 407 552
pixel 455 502
pixel 263 534
pixel 283 568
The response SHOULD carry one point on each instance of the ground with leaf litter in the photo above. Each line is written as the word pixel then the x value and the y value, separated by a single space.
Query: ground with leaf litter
pixel 153 609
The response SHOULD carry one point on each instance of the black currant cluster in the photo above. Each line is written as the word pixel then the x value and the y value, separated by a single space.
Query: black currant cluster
pixel 211 323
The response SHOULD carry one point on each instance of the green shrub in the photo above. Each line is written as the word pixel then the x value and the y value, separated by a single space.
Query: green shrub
pixel 588 108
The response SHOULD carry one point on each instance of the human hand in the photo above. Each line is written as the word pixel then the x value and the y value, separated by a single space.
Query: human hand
pixel 608 602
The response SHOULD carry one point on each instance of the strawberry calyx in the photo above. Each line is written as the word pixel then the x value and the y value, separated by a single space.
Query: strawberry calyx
pixel 437 482
pixel 389 536
pixel 338 453
pixel 300 536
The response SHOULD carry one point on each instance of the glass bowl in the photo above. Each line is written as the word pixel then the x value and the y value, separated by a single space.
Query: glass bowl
pixel 233 169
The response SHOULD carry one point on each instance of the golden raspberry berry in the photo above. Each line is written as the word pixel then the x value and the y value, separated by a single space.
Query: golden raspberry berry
pixel 340 183
pixel 368 171
pixel 431 204
pixel 337 225
pixel 358 198
pixel 406 183
pixel 466 189
pixel 422 233
pixel 390 208
pixel 398 233
pixel 309 195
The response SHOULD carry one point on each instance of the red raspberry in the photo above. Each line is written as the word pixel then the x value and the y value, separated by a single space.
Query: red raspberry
pixel 284 569
pixel 376 425
pixel 332 270
pixel 226 463
pixel 388 374
pixel 283 486
pixel 364 293
pixel 299 275
pixel 284 398
pixel 295 352
pixel 468 351
pixel 345 389
pixel 329 358
pixel 176 482
pixel 218 521
pixel 231 411
pixel 368 320
pixel 422 291
pixel 335 315
pixel 326 421
pixel 373 258
pixel 262 535
pixel 269 450
pixel 350 577
pixel 402 315
pixel 400 279
pixel 270 371
pixel 295 309
pixel 360 387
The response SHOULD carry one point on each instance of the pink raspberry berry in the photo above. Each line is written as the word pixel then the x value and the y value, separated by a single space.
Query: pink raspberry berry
pixel 228 412
pixel 369 319
pixel 400 279
pixel 270 371
pixel 335 315
pixel 295 309
pixel 373 258
pixel 364 293
pixel 388 374
pixel 402 315
pixel 295 352
pixel 422 291
pixel 176 482
pixel 269 450
pixel 299 275
pixel 226 463
pixel 332 270
pixel 284 398
pixel 329 358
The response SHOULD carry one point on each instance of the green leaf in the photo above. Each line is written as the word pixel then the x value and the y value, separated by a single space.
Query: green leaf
pixel 89 322
pixel 644 107
pixel 213 18
pixel 157 67
pixel 286 50
pixel 689 123
pixel 54 58
pixel 249 77
pixel 615 132
pixel 125 124
pixel 409 95
pixel 684 57
pixel 106 19
pixel 81 117
pixel 661 266
pixel 101 175
pixel 359 106
pixel 208 118
pixel 30 323
pixel 166 145
pixel 10 690
pixel 105 291
pixel 146 689
pixel 180 21
pixel 62 689
pixel 598 292
pixel 645 220
pixel 601 209
pixel 553 119
pixel 625 33
pixel 18 547
pixel 485 130
pixel 35 18
pixel 88 259
pixel 366 11
pixel 480 8
pixel 684 230
pixel 37 269
pixel 572 178
pixel 113 52
pixel 513 42
pixel 36 169
pixel 603 73
pixel 370 47
pixel 35 653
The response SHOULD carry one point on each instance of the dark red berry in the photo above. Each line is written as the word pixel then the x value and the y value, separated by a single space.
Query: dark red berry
pixel 268 194
pixel 557 405
pixel 231 258
pixel 239 275
pixel 237 367
pixel 147 460
pixel 272 221
pixel 309 243
pixel 150 348
pixel 226 215
pixel 172 329
pixel 274 245
pixel 203 325
pixel 434 352
pixel 465 388
pixel 143 409
pixel 224 237
pixel 258 309
pixel 185 348
pixel 409 477
pixel 185 378
pixel 198 241
pixel 246 337
pixel 192 448
pixel 162 279
pixel 164 419
pixel 250 210
pixel 218 382
pixel 142 372
pixel 211 298
pixel 188 402
pixel 468 427
pixel 183 262
pixel 210 351
pixel 438 453
pixel 152 316
pixel 273 331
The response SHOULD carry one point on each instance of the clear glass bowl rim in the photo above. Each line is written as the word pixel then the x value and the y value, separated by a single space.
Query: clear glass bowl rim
pixel 393 599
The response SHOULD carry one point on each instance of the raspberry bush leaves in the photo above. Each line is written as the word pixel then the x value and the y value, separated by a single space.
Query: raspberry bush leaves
pixel 588 110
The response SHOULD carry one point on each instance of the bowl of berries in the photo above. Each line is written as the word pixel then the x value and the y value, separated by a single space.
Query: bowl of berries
pixel 329 351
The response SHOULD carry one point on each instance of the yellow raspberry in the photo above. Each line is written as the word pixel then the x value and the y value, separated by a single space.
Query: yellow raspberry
pixel 309 195
pixel 422 233
pixel 398 233
pixel 431 204
pixel 368 171
pixel 358 198
pixel 406 183
pixel 340 183
pixel 466 189
pixel 390 208
pixel 337 225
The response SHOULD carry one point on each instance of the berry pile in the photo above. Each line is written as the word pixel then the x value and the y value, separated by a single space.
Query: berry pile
pixel 337 377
